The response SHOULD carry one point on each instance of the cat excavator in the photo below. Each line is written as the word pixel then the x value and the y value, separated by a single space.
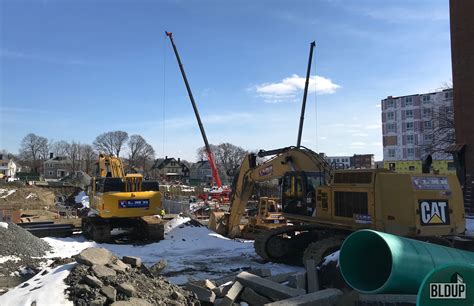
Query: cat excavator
pixel 323 206
pixel 119 200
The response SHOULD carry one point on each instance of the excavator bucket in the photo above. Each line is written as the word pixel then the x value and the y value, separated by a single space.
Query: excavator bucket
pixel 217 222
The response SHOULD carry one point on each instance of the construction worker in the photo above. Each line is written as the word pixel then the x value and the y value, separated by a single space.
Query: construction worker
pixel 162 213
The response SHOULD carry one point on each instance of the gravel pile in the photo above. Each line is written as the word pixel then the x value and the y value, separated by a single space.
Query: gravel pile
pixel 16 241
pixel 20 252
pixel 103 279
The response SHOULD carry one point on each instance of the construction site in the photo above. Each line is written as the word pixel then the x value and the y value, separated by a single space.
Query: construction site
pixel 281 225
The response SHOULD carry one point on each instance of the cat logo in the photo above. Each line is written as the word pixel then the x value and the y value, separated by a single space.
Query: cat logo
pixel 434 212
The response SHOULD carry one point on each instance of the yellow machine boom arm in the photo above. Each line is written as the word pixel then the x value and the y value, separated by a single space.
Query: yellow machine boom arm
pixel 286 159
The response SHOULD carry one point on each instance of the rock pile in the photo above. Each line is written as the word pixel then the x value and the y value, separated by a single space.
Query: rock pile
pixel 100 278
pixel 258 287
pixel 20 250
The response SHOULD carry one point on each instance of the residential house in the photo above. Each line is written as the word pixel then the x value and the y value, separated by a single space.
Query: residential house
pixel 57 167
pixel 339 162
pixel 8 167
pixel 200 173
pixel 171 169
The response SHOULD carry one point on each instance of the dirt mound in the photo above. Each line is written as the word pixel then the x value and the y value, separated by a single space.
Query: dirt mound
pixel 15 195
pixel 96 282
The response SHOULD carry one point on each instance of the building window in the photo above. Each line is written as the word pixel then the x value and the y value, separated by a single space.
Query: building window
pixel 391 128
pixel 50 172
pixel 409 113
pixel 391 152
pixel 426 99
pixel 410 139
pixel 408 101
pixel 411 152
pixel 426 112
pixel 411 168
pixel 409 126
pixel 427 125
pixel 390 116
pixel 448 95
pixel 390 104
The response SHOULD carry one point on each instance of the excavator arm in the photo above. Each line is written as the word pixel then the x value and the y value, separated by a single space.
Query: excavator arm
pixel 285 160
pixel 110 166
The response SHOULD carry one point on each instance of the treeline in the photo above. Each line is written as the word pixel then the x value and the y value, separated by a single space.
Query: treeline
pixel 139 155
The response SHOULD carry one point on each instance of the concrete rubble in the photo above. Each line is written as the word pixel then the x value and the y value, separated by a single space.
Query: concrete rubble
pixel 100 278
pixel 258 287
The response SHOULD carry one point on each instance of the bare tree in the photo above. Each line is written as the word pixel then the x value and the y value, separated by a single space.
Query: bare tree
pixel 111 142
pixel 441 134
pixel 88 156
pixel 136 145
pixel 32 150
pixel 74 153
pixel 228 158
pixel 59 148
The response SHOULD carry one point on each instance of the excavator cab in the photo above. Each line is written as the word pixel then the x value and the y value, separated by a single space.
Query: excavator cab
pixel 298 189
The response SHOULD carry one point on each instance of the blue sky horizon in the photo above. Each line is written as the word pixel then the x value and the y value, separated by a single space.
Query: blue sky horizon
pixel 73 70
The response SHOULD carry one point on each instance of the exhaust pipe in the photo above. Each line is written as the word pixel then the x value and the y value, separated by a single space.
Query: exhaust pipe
pixel 375 262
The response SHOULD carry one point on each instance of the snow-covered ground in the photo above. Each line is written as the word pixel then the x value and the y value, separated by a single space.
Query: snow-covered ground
pixel 192 253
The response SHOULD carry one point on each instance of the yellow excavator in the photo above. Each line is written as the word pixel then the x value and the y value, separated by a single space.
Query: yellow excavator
pixel 324 206
pixel 119 200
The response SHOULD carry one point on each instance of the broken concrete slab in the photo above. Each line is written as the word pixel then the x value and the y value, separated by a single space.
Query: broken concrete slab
pixel 93 281
pixel 109 292
pixel 202 293
pixel 100 301
pixel 262 272
pixel 158 267
pixel 232 294
pixel 266 287
pixel 253 298
pixel 223 280
pixel 326 297
pixel 127 289
pixel 102 271
pixel 132 260
pixel 311 276
pixel 297 281
pixel 94 256
pixel 132 302
pixel 280 278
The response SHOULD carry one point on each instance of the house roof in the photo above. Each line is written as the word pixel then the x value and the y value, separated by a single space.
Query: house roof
pixel 161 163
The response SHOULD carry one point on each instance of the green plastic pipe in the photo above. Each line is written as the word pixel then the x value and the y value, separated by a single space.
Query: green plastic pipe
pixel 375 262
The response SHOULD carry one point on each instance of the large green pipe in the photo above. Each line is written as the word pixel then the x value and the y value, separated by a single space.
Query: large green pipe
pixel 375 262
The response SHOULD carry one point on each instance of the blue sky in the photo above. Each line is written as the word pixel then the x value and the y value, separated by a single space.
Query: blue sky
pixel 70 70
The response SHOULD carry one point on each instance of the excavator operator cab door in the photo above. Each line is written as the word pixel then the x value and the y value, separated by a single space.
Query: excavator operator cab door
pixel 299 192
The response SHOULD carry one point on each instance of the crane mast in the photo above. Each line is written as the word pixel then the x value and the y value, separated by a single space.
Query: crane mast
pixel 215 174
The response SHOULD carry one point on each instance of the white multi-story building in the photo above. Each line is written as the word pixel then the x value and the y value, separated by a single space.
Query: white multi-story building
pixel 340 161
pixel 411 127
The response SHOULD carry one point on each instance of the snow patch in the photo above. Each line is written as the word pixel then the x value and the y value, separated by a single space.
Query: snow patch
pixel 192 252
pixel 5 193
pixel 41 290
pixel 4 259
pixel 31 196
pixel 470 226
pixel 330 258
pixel 82 198
pixel 4 225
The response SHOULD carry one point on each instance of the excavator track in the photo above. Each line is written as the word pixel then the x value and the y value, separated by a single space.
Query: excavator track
pixel 319 249
pixel 288 244
pixel 153 229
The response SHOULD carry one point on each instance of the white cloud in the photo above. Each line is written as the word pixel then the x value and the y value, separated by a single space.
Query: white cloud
pixel 289 87
pixel 360 134
pixel 323 138
pixel 358 144
pixel 378 105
